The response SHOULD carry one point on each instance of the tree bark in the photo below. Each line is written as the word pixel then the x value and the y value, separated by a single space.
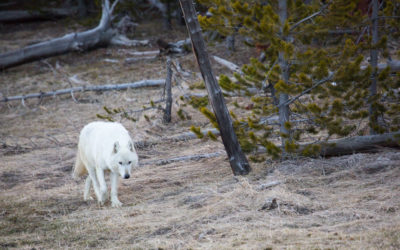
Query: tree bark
pixel 97 37
pixel 168 92
pixel 237 159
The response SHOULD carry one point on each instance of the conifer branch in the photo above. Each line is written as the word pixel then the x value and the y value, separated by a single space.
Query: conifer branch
pixel 291 100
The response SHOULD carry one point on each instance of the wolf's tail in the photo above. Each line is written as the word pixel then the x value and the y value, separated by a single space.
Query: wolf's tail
pixel 79 168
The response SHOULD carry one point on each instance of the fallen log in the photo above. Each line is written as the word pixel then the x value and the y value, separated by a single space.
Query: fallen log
pixel 97 37
pixel 11 16
pixel 350 145
pixel 358 144
pixel 102 35
pixel 107 87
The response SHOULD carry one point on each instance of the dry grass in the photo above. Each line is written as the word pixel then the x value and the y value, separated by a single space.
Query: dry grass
pixel 348 202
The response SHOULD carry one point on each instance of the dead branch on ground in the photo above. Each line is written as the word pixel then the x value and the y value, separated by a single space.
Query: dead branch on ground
pixel 181 158
pixel 107 87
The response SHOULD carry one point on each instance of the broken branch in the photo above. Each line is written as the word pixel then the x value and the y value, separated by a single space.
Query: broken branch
pixel 107 87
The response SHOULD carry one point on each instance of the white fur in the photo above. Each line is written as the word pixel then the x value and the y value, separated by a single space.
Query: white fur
pixel 104 146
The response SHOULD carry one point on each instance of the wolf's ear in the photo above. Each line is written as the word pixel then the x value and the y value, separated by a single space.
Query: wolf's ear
pixel 131 147
pixel 116 147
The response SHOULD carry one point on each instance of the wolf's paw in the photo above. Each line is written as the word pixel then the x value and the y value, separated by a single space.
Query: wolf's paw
pixel 116 203
pixel 103 197
pixel 88 198
pixel 101 203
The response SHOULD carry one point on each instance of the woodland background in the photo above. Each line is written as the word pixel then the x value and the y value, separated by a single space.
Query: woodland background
pixel 312 88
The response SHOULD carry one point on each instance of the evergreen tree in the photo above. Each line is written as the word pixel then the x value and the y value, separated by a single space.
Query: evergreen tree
pixel 312 76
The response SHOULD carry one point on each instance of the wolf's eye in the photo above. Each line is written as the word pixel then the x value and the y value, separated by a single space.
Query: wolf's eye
pixel 129 162
pixel 120 163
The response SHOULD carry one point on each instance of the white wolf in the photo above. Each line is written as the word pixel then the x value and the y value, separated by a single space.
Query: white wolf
pixel 104 146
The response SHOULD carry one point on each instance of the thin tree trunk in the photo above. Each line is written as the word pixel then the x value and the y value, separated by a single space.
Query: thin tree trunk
pixel 237 159
pixel 283 97
pixel 374 64
pixel 168 92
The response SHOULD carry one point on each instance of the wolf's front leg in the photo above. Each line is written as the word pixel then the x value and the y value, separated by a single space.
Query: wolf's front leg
pixel 114 190
pixel 102 185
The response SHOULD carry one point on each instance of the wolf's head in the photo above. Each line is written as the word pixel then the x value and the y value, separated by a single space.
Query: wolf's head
pixel 123 158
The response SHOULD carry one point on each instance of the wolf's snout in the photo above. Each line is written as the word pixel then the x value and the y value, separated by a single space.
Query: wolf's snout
pixel 126 176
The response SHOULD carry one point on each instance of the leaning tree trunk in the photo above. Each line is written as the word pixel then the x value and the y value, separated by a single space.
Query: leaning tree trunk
pixel 97 37
pixel 237 159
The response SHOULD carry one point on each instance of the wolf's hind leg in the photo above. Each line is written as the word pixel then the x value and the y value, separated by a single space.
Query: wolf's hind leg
pixel 86 193
pixel 93 177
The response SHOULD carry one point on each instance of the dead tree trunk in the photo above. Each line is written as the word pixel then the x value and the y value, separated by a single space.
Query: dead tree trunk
pixel 237 159
pixel 102 35
pixel 168 93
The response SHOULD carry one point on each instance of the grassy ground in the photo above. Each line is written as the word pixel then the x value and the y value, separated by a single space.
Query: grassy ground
pixel 348 202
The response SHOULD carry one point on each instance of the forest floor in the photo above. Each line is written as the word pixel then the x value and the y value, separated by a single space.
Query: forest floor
pixel 347 202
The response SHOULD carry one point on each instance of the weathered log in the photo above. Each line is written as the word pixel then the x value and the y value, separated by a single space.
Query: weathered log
pixel 352 145
pixel 237 158
pixel 102 35
pixel 30 15
pixel 107 87
pixel 358 144
pixel 99 36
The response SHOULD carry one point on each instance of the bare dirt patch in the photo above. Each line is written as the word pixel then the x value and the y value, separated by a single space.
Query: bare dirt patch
pixel 348 202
